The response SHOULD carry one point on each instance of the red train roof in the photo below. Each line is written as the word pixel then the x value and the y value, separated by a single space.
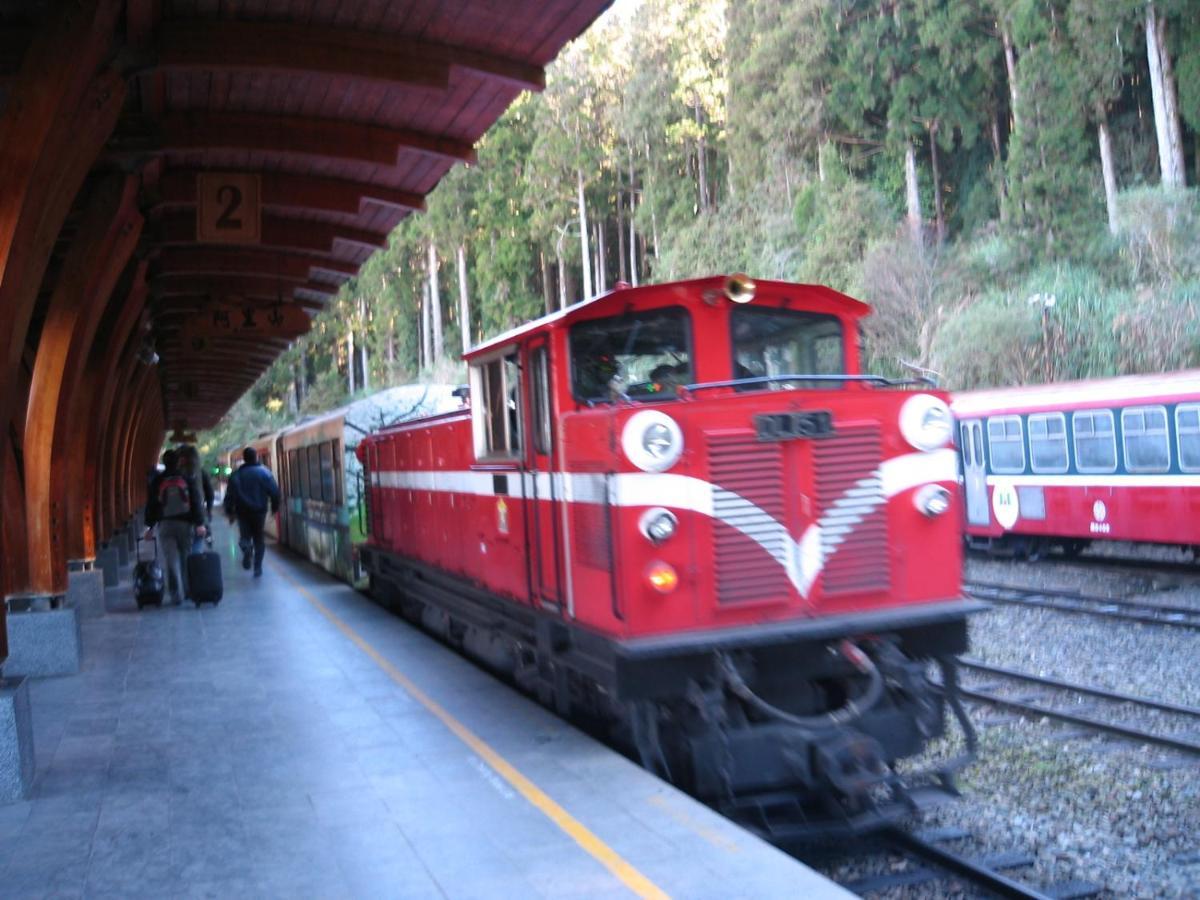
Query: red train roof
pixel 1124 390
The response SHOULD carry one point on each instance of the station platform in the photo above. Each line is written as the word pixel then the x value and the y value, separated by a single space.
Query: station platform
pixel 299 741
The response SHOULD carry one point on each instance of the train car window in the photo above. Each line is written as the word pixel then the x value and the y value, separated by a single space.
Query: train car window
pixel 1048 442
pixel 1187 430
pixel 541 400
pixel 1095 441
pixel 1145 432
pixel 1006 444
pixel 293 473
pixel 302 464
pixel 339 483
pixel 498 418
pixel 314 473
pixel 770 342
pixel 325 455
pixel 639 355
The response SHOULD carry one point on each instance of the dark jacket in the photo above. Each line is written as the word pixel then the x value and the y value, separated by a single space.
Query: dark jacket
pixel 204 485
pixel 251 488
pixel 154 503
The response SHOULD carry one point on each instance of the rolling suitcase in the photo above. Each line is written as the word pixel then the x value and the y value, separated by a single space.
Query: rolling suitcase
pixel 148 581
pixel 204 576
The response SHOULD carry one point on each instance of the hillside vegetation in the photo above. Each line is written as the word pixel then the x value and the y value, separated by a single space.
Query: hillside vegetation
pixel 1005 181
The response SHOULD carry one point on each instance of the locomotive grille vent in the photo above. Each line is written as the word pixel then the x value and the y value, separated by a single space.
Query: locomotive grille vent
pixel 853 512
pixel 747 473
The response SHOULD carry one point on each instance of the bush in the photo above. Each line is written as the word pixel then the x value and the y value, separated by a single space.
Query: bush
pixel 1161 233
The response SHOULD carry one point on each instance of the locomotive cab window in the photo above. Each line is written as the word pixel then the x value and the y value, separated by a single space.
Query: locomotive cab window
pixel 1095 441
pixel 643 356
pixel 1048 442
pixel 772 342
pixel 1146 445
pixel 1006 444
pixel 1187 429
pixel 496 416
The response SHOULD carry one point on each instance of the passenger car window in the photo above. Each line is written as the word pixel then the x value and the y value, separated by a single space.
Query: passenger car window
pixel 1048 442
pixel 768 342
pixel 1095 441
pixel 314 473
pixel 497 417
pixel 1187 428
pixel 328 491
pixel 638 355
pixel 1145 432
pixel 1005 444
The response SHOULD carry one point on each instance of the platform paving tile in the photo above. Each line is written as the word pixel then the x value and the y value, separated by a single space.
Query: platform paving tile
pixel 253 751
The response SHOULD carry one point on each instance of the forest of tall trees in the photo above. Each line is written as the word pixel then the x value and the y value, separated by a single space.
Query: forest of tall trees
pixel 1005 181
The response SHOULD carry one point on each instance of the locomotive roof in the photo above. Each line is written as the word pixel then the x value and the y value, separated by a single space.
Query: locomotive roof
pixel 1079 394
pixel 623 294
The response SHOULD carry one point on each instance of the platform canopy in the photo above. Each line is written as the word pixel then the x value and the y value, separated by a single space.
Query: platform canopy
pixel 276 143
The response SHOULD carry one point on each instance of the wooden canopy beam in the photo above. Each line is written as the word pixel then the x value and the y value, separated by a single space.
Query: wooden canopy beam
pixel 328 195
pixel 215 261
pixel 288 135
pixel 179 228
pixel 258 285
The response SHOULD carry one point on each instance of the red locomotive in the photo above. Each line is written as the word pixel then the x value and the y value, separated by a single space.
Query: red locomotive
pixel 681 509
pixel 1062 465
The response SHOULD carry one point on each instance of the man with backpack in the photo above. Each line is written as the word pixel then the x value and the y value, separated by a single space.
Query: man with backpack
pixel 176 506
pixel 189 464
pixel 251 489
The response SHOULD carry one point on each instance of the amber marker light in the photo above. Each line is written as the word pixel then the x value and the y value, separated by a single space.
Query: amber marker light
pixel 662 576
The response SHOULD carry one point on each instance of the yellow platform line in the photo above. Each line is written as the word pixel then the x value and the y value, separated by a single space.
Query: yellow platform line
pixel 576 830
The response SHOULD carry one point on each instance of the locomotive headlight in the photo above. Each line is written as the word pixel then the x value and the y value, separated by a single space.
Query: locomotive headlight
pixel 652 440
pixel 662 577
pixel 932 500
pixel 658 524
pixel 925 422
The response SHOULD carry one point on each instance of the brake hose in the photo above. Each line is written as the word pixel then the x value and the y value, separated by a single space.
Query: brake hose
pixel 852 711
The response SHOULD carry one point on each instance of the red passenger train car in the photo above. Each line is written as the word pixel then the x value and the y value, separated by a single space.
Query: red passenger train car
pixel 682 509
pixel 1063 465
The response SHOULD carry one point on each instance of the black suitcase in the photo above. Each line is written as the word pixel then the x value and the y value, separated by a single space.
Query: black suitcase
pixel 148 581
pixel 204 576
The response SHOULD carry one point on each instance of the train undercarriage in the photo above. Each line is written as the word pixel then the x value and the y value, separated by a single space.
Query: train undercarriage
pixel 795 729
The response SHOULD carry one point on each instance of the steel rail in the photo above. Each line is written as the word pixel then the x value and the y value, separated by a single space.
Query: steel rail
pixel 1086 604
pixel 979 873
pixel 1115 696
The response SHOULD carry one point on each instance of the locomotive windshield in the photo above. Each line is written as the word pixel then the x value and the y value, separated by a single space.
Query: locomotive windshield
pixel 770 342
pixel 638 355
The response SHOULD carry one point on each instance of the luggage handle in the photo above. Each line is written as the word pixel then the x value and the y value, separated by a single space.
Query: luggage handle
pixel 147 537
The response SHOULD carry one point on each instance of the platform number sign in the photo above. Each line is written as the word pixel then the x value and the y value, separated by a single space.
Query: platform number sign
pixel 228 208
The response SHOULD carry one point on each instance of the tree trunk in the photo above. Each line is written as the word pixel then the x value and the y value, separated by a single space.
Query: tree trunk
pixel 1107 169
pixel 1010 65
pixel 426 333
pixel 701 162
pixel 435 306
pixel 621 267
pixel 998 174
pixel 601 261
pixel 939 213
pixel 547 284
pixel 464 303
pixel 350 358
pixel 1162 89
pixel 294 394
pixel 912 190
pixel 366 366
pixel 391 346
pixel 562 281
pixel 633 254
pixel 584 250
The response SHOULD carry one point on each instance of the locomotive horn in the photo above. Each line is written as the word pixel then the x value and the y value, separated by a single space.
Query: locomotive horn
pixel 739 288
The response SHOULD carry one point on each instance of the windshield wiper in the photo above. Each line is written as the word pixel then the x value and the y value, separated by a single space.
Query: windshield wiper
pixel 880 380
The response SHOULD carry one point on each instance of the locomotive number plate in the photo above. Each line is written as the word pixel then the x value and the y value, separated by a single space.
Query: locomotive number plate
pixel 789 425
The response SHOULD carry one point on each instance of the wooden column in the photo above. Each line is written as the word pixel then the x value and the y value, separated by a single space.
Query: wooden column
pixel 106 441
pixel 109 364
pixel 108 234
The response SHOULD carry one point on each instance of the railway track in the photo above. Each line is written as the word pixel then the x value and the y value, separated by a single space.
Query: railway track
pixel 1032 706
pixel 1086 604
pixel 938 862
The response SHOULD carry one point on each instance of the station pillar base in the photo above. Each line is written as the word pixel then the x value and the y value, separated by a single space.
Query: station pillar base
pixel 43 637
pixel 85 591
pixel 16 741
pixel 109 562
pixel 121 542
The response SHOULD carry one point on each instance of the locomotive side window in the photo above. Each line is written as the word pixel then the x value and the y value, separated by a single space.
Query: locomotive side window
pixel 640 355
pixel 541 400
pixel 1187 428
pixel 1048 442
pixel 772 342
pixel 1006 444
pixel 497 419
pixel 1145 432
pixel 1095 441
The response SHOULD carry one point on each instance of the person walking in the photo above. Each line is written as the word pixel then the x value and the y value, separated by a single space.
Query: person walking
pixel 175 505
pixel 251 490
pixel 189 464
